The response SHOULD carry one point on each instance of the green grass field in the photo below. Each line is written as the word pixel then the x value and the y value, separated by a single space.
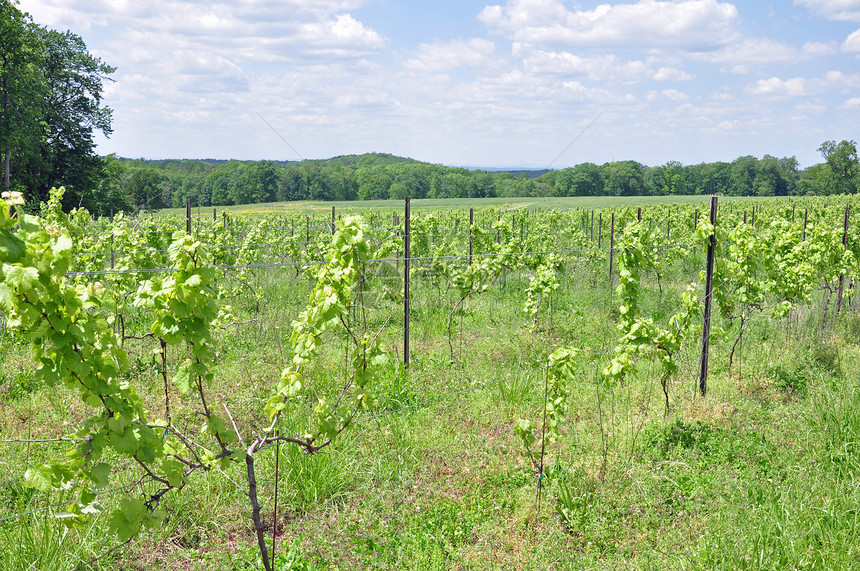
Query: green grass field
pixel 324 208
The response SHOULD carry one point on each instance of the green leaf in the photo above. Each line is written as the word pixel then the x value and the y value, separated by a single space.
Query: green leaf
pixel 126 520
pixel 21 278
pixel 100 475
pixel 40 478
pixel 173 471
pixel 12 247
pixel 182 377
pixel 63 244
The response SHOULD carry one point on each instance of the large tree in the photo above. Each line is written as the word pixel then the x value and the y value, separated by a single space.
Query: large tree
pixel 52 105
pixel 19 80
pixel 843 168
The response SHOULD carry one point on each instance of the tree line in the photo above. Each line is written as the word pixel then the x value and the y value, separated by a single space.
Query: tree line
pixel 376 176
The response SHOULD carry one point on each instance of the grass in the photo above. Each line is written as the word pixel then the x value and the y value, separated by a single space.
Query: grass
pixel 761 474
pixel 323 208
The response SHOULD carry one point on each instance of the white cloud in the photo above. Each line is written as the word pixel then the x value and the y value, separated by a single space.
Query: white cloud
pixel 604 67
pixel 344 35
pixel 841 80
pixel 852 43
pixel 672 74
pixel 442 57
pixel 818 49
pixel 742 56
pixel 775 86
pixel 578 92
pixel 834 9
pixel 688 24
pixel 670 94
pixel 852 103
pixel 674 95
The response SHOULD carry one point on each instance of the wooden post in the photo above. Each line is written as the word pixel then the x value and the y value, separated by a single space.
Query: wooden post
pixel 591 233
pixel 805 218
pixel 471 222
pixel 600 230
pixel 188 216
pixel 332 220
pixel 406 255
pixel 639 214
pixel 611 249
pixel 307 232
pixel 709 294
pixel 844 246
pixel 111 241
pixel 214 215
pixel 696 220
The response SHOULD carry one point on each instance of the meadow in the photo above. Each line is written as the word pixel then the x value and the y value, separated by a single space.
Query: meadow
pixel 626 464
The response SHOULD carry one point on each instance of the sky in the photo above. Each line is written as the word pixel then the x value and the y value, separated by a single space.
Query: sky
pixel 517 83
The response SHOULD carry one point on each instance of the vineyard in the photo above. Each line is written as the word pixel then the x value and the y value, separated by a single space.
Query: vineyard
pixel 673 385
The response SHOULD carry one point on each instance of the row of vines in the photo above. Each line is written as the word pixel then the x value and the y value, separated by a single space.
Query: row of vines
pixel 80 290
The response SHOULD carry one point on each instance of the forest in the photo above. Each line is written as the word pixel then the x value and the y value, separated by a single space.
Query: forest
pixel 148 185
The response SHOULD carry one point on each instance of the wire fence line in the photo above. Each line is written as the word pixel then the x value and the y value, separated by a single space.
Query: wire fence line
pixel 370 261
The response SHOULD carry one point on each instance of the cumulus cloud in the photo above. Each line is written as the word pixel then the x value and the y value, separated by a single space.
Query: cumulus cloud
pixel 578 92
pixel 602 67
pixel 743 56
pixel 343 35
pixel 852 103
pixel 818 49
pixel 834 9
pixel 688 24
pixel 775 86
pixel 670 94
pixel 442 57
pixel 852 43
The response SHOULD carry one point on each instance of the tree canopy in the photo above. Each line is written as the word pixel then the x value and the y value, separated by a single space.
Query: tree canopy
pixel 52 105
pixel 376 176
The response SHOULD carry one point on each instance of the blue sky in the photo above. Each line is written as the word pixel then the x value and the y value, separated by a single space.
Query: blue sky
pixel 493 84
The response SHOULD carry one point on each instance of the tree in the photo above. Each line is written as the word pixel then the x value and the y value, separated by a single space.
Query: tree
pixel 743 173
pixel 292 185
pixel 18 81
pixel 109 194
pixel 843 168
pixel 626 178
pixel 52 91
pixel 145 190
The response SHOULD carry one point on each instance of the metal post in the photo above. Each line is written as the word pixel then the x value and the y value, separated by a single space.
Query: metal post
pixel 600 230
pixel 805 218
pixel 844 246
pixel 709 283
pixel 471 222
pixel 111 241
pixel 406 255
pixel 611 249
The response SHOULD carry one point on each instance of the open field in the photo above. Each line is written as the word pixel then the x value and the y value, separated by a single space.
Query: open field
pixel 759 474
pixel 444 204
